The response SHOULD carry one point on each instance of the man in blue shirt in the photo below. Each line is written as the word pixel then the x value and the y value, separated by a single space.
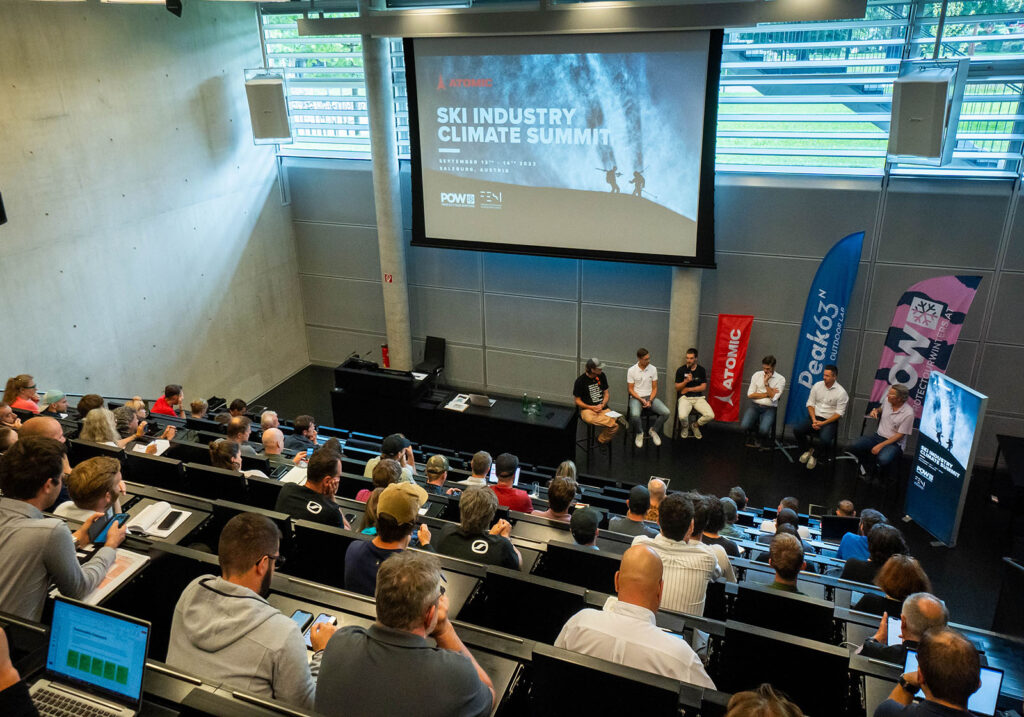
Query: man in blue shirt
pixel 855 545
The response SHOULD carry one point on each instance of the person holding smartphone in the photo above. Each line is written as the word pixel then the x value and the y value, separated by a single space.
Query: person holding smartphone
pixel 36 551
pixel 95 485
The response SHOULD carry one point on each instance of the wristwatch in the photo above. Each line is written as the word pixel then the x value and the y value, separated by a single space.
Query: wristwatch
pixel 908 686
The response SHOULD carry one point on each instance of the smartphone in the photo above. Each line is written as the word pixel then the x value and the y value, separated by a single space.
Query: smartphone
pixel 100 524
pixel 170 520
pixel 302 619
pixel 322 617
pixel 101 537
pixel 893 630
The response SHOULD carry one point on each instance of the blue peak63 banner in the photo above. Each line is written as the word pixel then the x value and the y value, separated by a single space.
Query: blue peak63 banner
pixel 824 317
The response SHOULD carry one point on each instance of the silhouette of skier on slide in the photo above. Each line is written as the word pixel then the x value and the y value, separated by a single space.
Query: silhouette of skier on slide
pixel 609 176
pixel 638 183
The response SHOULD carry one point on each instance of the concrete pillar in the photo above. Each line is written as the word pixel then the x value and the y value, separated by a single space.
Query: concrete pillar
pixel 683 323
pixel 387 195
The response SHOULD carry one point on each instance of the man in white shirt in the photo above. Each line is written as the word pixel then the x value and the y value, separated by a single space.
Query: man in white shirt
pixel 689 567
pixel 642 382
pixel 480 468
pixel 895 422
pixel 766 388
pixel 826 404
pixel 624 630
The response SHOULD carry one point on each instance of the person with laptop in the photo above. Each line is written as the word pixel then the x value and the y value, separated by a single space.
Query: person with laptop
pixel 36 551
pixel 480 468
pixel 625 632
pixel 949 672
pixel 855 545
pixel 921 612
pixel 225 631
pixel 506 470
pixel 391 668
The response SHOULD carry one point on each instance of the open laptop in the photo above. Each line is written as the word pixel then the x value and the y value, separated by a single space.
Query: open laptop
pixel 479 399
pixel 982 702
pixel 94 662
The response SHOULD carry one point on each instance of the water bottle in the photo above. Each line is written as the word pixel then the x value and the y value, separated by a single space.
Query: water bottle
pixel 526 404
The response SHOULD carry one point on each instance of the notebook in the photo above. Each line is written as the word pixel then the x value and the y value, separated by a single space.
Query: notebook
pixel 94 662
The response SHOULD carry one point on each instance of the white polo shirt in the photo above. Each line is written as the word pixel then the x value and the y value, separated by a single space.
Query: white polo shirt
pixel 892 422
pixel 626 634
pixel 757 385
pixel 828 401
pixel 642 379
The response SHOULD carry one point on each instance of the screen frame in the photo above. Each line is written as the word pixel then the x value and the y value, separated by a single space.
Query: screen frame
pixel 704 257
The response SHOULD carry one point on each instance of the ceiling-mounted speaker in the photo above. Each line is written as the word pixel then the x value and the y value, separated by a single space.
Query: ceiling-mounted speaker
pixel 926 100
pixel 268 107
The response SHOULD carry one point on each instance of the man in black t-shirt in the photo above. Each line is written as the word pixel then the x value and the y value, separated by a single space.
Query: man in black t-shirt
pixel 470 540
pixel 591 395
pixel 314 500
pixel 691 384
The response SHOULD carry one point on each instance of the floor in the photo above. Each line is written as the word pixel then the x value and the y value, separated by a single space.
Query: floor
pixel 967 577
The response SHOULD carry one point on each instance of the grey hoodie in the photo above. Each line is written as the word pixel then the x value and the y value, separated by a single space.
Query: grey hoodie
pixel 225 633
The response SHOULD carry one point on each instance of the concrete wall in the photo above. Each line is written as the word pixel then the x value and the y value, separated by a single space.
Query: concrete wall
pixel 147 242
pixel 518 324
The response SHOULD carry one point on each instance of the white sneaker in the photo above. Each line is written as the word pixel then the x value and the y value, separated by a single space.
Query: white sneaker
pixel 811 462
pixel 696 431
pixel 639 441
pixel 805 456
pixel 685 432
pixel 655 438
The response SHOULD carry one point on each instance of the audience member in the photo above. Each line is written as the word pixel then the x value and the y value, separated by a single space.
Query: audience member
pixel 506 469
pixel 739 497
pixel 480 468
pixel 239 428
pixel 21 393
pixel 226 454
pixel 714 526
pixel 36 551
pixel 395 447
pixel 701 510
pixel 397 510
pixel 855 545
pixel 625 631
pixel 303 435
pixel 899 577
pixel 225 630
pixel 658 490
pixel 688 566
pixel 561 496
pixel 172 403
pixel 14 696
pixel 731 513
pixel 273 448
pixel 787 517
pixel 88 402
pixel 884 541
pixel 269 419
pixel 54 404
pixel 385 473
pixel 127 425
pixel 8 436
pixel 198 408
pixel 94 485
pixel 411 606
pixel 471 540
pixel 8 417
pixel 845 509
pixel 368 523
pixel 762 702
pixel 236 409
pixel 768 526
pixel 139 406
pixel 314 500
pixel 99 427
pixel 46 427
pixel 566 469
pixel 633 523
pixel 921 612
pixel 786 556
pixel 583 527
pixel 949 672
pixel 437 474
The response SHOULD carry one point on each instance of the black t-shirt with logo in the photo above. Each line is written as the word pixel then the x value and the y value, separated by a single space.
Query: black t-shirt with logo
pixel 590 390
pixel 303 503
pixel 478 547
pixel 699 376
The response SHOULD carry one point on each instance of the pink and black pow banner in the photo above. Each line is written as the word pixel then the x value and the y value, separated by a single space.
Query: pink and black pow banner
pixel 924 331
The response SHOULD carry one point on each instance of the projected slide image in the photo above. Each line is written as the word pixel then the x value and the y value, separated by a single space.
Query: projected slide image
pixel 949 418
pixel 597 150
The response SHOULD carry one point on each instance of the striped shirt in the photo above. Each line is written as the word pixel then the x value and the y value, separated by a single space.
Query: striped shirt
pixel 688 567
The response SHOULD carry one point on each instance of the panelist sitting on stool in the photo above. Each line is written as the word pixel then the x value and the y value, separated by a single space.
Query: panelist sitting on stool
pixel 895 422
pixel 642 383
pixel 591 395
pixel 766 387
pixel 691 383
pixel 826 404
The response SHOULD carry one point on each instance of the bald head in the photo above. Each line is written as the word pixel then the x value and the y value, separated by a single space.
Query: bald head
pixel 922 611
pixel 638 580
pixel 273 441
pixel 43 426
pixel 657 489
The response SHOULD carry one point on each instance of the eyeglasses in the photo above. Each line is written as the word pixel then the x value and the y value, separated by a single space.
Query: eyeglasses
pixel 32 386
pixel 278 559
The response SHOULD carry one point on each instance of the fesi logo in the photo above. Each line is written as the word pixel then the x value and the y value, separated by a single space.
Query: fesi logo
pixel 458 199
pixel 464 82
